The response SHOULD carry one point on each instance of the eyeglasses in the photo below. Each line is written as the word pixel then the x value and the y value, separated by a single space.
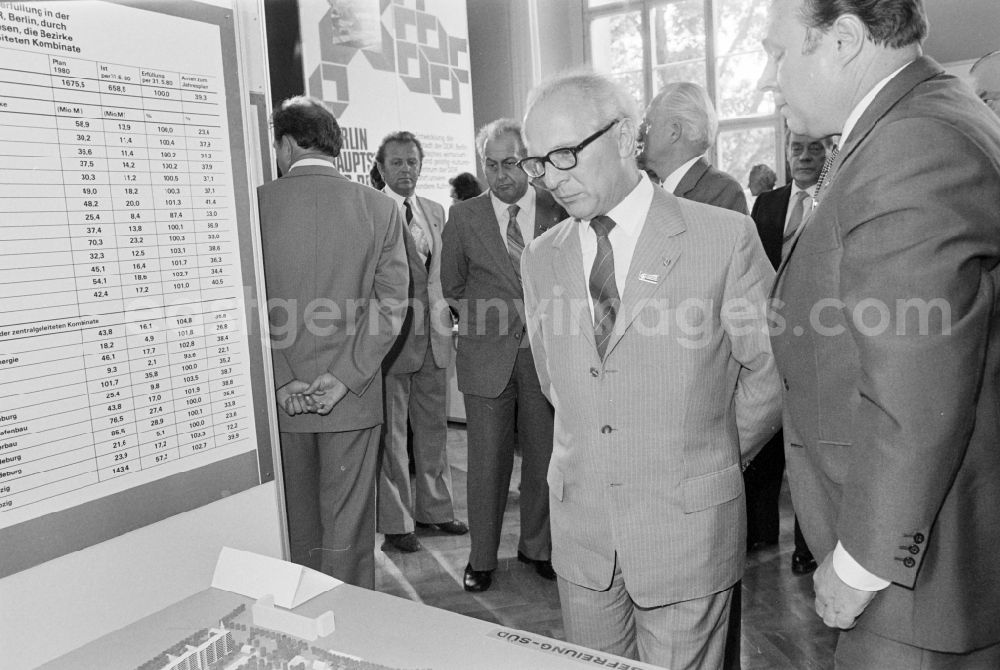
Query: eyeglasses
pixel 563 158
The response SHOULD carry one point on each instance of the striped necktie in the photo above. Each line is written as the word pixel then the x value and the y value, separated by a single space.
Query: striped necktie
pixel 824 174
pixel 603 289
pixel 794 221
pixel 515 241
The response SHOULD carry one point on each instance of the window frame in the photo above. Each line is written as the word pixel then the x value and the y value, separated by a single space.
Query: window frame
pixel 645 7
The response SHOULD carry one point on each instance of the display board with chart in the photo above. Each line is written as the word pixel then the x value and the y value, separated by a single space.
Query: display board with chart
pixel 130 354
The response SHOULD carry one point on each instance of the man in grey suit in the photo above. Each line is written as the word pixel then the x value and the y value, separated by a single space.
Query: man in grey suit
pixel 888 337
pixel 336 285
pixel 679 127
pixel 416 382
pixel 481 275
pixel 647 322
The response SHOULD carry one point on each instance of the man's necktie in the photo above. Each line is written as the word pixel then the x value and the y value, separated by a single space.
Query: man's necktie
pixel 419 239
pixel 825 173
pixel 794 221
pixel 603 290
pixel 515 241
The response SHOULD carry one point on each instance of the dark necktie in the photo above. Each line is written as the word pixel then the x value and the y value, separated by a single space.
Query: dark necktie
pixel 794 221
pixel 419 241
pixel 515 241
pixel 603 290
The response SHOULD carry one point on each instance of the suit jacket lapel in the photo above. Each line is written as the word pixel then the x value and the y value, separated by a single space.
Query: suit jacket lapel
pixel 656 255
pixel 576 294
pixel 691 179
pixel 485 225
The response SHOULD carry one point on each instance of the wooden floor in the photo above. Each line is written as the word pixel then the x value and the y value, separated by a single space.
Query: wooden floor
pixel 780 629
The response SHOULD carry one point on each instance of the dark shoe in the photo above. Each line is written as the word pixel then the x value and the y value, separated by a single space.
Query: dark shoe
pixel 450 527
pixel 477 580
pixel 407 542
pixel 542 567
pixel 802 564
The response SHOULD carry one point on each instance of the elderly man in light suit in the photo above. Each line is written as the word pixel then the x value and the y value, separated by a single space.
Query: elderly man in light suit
pixel 646 319
pixel 890 345
pixel 679 127
pixel 481 274
pixel 416 376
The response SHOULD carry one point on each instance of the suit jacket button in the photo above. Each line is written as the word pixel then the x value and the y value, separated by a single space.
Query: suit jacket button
pixel 919 538
pixel 594 372
pixel 914 549
pixel 909 562
pixel 786 383
pixel 607 429
pixel 517 336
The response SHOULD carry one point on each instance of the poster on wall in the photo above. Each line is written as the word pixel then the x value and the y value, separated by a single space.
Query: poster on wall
pixel 388 65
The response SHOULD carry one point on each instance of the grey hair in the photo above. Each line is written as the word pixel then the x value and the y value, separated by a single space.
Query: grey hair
pixel 606 97
pixel 688 104
pixel 495 130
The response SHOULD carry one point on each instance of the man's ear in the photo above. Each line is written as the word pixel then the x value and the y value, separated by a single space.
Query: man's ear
pixel 628 135
pixel 850 35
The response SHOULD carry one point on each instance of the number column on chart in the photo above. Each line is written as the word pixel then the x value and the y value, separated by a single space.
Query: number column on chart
pixel 36 256
pixel 173 200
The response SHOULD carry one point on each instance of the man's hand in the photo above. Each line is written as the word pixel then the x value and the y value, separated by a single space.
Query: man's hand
pixel 325 392
pixel 838 604
pixel 290 398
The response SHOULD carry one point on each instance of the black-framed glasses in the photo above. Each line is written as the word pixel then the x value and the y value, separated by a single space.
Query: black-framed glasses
pixel 563 158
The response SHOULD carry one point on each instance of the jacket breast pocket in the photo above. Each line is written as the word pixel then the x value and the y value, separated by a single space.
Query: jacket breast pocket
pixel 704 491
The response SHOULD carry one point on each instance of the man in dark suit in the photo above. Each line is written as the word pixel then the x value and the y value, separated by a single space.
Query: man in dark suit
pixel 887 337
pixel 679 127
pixel 504 406
pixel 416 383
pixel 336 285
pixel 778 214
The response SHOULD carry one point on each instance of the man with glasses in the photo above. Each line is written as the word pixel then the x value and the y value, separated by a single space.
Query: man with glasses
pixel 504 406
pixel 645 314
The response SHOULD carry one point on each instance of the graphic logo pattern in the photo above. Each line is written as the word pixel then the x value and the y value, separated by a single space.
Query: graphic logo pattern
pixel 410 42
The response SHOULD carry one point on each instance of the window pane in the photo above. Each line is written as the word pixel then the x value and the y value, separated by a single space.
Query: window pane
pixel 632 81
pixel 736 78
pixel 678 32
pixel 616 43
pixel 739 150
pixel 591 4
pixel 672 74
pixel 739 26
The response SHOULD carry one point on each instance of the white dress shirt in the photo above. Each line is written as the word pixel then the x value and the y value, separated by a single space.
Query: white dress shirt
pixel 424 246
pixel 302 162
pixel 629 216
pixel 525 217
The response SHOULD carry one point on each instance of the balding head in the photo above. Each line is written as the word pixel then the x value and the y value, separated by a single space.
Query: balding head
pixel 986 79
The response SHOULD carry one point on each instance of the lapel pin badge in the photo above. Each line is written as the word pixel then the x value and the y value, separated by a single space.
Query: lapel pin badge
pixel 649 278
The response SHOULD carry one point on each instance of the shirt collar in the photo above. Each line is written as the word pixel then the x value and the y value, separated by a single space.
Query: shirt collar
pixel 671 182
pixel 795 189
pixel 630 214
pixel 302 162
pixel 526 202
pixel 400 198
pixel 864 104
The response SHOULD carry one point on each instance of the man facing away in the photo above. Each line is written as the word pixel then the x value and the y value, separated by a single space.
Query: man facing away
pixel 336 285
pixel 646 319
pixel 679 127
pixel 416 376
pixel 504 406
pixel 778 214
pixel 888 337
